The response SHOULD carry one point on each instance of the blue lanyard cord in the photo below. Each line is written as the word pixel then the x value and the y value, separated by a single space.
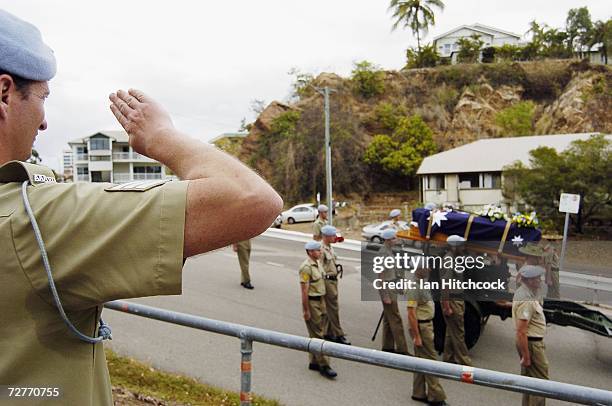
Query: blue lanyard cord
pixel 104 332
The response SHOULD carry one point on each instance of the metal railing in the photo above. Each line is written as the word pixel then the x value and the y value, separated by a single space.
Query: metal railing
pixel 147 176
pixel 478 376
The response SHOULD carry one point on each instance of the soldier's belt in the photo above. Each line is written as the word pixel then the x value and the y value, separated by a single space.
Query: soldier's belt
pixel 315 298
pixel 535 338
pixel 330 277
pixel 425 321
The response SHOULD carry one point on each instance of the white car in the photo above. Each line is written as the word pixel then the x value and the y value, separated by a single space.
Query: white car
pixel 277 221
pixel 373 232
pixel 301 212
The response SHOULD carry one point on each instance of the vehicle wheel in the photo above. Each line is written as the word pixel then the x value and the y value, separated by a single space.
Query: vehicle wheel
pixel 376 239
pixel 291 220
pixel 278 226
pixel 472 324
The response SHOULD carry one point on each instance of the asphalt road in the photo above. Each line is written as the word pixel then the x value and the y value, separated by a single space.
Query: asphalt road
pixel 211 289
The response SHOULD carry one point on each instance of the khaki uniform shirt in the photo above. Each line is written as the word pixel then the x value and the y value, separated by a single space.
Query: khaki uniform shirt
pixel 311 272
pixel 527 306
pixel 421 299
pixel 317 226
pixel 551 258
pixel 102 246
pixel 328 260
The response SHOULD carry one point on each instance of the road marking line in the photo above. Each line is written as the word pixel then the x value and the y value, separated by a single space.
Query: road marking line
pixel 349 259
pixel 274 264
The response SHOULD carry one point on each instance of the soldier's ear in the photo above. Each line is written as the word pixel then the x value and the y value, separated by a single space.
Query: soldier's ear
pixel 6 83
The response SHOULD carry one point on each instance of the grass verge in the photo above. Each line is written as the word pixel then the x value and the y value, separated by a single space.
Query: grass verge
pixel 146 382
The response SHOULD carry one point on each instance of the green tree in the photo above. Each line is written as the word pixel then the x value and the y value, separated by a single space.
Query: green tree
pixel 401 153
pixel 417 15
pixel 554 41
pixel 578 26
pixel 427 57
pixel 584 169
pixel 368 79
pixel 302 83
pixel 469 49
pixel 517 119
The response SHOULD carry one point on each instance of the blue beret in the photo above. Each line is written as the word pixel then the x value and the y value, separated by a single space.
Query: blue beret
pixel 531 271
pixel 431 206
pixel 313 245
pixel 22 50
pixel 328 230
pixel 322 208
pixel 388 234
pixel 395 213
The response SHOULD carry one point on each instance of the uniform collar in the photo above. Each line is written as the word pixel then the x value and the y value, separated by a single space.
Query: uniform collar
pixel 17 171
pixel 313 262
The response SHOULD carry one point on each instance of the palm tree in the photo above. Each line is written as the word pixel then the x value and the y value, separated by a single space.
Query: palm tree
pixel 415 14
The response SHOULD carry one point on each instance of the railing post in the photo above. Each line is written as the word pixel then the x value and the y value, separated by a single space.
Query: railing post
pixel 246 349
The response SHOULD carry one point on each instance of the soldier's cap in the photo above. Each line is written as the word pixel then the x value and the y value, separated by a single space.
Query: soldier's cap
pixel 455 240
pixel 431 206
pixel 22 50
pixel 328 231
pixel 388 234
pixel 322 208
pixel 312 245
pixel 532 249
pixel 531 271
pixel 552 237
pixel 395 213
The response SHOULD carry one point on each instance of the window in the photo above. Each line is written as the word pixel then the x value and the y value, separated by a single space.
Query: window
pixel 81 150
pixel 82 170
pixel 99 143
pixel 434 182
pixel 469 180
pixel 455 47
pixel 491 180
pixel 447 47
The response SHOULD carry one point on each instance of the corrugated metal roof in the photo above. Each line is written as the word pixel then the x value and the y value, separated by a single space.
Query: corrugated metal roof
pixel 492 154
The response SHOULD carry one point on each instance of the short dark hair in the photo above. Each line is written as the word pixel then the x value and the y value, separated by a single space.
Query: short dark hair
pixel 21 84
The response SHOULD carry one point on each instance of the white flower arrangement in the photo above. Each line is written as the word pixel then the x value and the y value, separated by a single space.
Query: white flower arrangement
pixel 493 212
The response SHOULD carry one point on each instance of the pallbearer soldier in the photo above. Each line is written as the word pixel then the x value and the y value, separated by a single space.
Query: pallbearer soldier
pixel 421 310
pixel 394 216
pixel 243 248
pixel 394 339
pixel 530 323
pixel 551 263
pixel 313 305
pixel 320 222
pixel 453 307
pixel 333 330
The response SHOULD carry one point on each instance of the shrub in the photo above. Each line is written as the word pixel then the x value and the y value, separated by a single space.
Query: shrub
pixel 368 79
pixel 427 58
pixel 488 55
pixel 469 49
pixel 516 120
pixel 508 52
pixel 387 116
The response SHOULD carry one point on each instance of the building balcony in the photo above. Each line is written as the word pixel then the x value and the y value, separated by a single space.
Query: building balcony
pixel 127 156
pixel 147 176
pixel 82 178
pixel 82 157
pixel 121 177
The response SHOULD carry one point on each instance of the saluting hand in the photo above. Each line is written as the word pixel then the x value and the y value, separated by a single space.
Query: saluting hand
pixel 147 123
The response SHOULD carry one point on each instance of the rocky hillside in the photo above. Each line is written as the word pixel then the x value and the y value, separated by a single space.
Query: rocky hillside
pixel 460 104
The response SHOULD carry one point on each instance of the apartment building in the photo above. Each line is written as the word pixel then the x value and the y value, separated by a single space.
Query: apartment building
pixel 106 156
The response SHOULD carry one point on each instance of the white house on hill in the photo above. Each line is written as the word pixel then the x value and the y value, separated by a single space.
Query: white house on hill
pixel 471 175
pixel 106 156
pixel 447 47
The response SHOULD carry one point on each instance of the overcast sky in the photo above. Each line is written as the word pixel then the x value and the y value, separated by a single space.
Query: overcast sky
pixel 206 61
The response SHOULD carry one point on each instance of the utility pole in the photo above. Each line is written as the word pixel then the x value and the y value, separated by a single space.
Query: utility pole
pixel 328 166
